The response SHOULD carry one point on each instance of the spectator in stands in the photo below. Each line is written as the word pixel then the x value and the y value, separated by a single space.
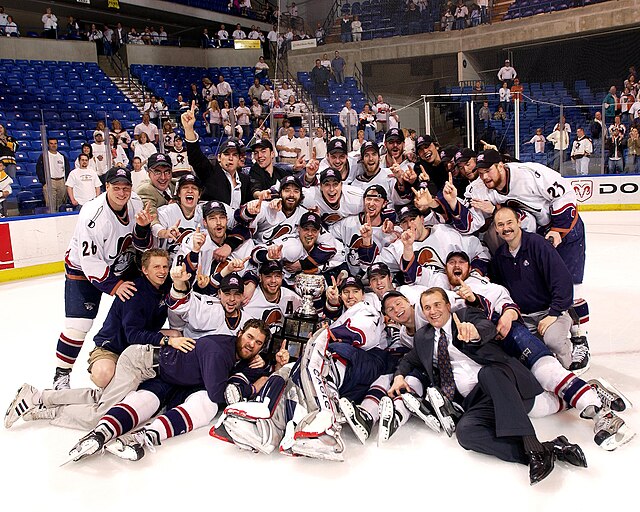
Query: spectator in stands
pixel 394 119
pixel 337 66
pixel 213 116
pixel 228 115
pixel 254 34
pixel 325 62
pixel 358 141
pixel 319 34
pixel 50 22
pixel 632 165
pixel 610 103
pixel 294 111
pixel 243 117
pixel 563 125
pixel 505 97
pixel 157 191
pixel 345 28
pixel 119 37
pixel 196 95
pixel 267 95
pixel 617 124
pixel 484 114
pixel 107 37
pixel 58 173
pixel 83 183
pixel 409 144
pixel 151 108
pixel 538 141
pixel 99 149
pixel 5 187
pixel 500 114
pixel 320 78
pixel 138 173
pixel 349 121
pixel 256 90
pixel 560 140
pixel 223 35
pixel 224 90
pixel 11 29
pixel 146 127
pixel 147 37
pixel 303 143
pixel 179 159
pixel 272 38
pixel 95 36
pixel 616 146
pixel 8 148
pixel 475 16
pixel 261 68
pixel 284 92
pixel 209 90
pixel 447 20
pixel 162 35
pixel 256 113
pixel 337 134
pixel 3 19
pixel 287 147
pixel 484 7
pixel 168 135
pixel 461 15
pixel 319 145
pixel 118 156
pixel 280 119
pixel 134 37
pixel 356 29
pixel 238 33
pixel 581 151
pixel 143 148
pixel 381 109
pixel 205 39
pixel 86 149
pixel 367 122
pixel 596 127
pixel 507 73
pixel 627 99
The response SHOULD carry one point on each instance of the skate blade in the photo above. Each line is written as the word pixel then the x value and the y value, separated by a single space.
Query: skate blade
pixel 628 404
pixel 620 438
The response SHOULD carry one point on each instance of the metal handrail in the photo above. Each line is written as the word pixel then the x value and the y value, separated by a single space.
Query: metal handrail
pixel 336 8
pixel 357 74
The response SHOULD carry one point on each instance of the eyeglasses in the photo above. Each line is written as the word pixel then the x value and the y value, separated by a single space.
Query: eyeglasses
pixel 166 172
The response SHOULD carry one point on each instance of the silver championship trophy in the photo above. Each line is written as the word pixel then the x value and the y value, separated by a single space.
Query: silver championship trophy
pixel 302 323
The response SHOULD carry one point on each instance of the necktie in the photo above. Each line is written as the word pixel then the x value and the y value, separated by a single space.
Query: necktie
pixel 447 383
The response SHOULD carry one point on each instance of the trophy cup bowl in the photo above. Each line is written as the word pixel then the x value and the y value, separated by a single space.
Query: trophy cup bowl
pixel 309 287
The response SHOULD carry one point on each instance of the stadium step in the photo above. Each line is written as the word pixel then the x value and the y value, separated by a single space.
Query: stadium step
pixel 131 88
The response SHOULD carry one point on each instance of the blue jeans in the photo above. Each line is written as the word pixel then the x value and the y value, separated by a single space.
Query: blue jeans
pixel 346 37
pixel 615 166
pixel 369 133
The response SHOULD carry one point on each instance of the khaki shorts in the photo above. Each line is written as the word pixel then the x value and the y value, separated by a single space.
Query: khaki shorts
pixel 99 353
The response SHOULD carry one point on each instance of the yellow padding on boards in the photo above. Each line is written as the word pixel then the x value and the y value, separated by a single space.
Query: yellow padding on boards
pixel 14 274
pixel 607 207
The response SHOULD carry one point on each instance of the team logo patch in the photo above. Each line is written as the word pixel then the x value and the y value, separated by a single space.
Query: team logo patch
pixel 89 306
pixel 583 189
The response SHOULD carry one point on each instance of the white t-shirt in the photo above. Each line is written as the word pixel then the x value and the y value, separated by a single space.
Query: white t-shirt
pixel 83 182
pixel 150 129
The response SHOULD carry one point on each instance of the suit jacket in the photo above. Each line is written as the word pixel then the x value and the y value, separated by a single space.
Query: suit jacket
pixel 484 352
pixel 150 194
pixel 215 183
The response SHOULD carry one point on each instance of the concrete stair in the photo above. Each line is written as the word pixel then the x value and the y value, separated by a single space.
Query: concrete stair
pixel 131 88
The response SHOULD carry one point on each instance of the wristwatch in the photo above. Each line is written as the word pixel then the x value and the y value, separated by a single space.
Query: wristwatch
pixel 164 341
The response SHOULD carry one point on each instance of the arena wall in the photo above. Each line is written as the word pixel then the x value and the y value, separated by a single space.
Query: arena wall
pixel 33 246
pixel 47 49
pixel 196 57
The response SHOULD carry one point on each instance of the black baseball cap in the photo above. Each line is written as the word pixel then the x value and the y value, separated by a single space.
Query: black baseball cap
pixel 464 155
pixel 351 281
pixel 337 145
pixel 390 295
pixel 447 153
pixel 231 143
pixel 213 207
pixel 487 159
pixel 460 254
pixel 367 145
pixel 407 211
pixel 310 218
pixel 269 267
pixel 378 269
pixel 330 174
pixel 118 175
pixel 189 179
pixel 289 180
pixel 394 134
pixel 232 282
pixel 159 160
pixel 262 143
pixel 424 140
pixel 376 191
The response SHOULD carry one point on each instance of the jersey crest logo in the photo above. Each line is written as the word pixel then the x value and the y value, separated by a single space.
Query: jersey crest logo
pixel 217 267
pixel 331 218
pixel 279 231
pixel 124 254
pixel 427 257
pixel 272 317
pixel 515 204
pixel 583 189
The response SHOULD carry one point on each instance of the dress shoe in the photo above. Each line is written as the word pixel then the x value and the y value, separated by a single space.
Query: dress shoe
pixel 565 451
pixel 540 464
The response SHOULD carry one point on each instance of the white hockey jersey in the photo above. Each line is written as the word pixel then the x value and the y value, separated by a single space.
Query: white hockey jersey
pixel 168 215
pixel 270 224
pixel 201 315
pixel 350 203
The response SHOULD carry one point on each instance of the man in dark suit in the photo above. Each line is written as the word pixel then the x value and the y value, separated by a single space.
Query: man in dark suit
pixel 222 181
pixel 157 191
pixel 459 355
